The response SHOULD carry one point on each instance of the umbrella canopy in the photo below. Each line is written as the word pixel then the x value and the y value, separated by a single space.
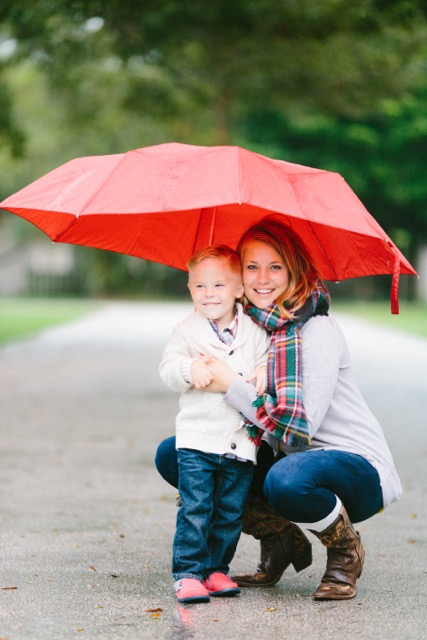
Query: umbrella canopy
pixel 164 202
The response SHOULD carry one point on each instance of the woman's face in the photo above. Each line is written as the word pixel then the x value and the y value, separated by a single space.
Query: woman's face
pixel 265 275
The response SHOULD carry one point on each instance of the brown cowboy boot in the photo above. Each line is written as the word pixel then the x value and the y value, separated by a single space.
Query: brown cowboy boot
pixel 282 544
pixel 345 560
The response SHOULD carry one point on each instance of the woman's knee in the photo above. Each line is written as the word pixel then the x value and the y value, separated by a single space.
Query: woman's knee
pixel 281 487
pixel 166 461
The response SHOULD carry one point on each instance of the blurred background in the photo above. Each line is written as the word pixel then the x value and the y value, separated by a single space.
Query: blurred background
pixel 336 85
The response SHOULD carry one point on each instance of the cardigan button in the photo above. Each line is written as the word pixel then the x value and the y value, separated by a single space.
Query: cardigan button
pixel 233 445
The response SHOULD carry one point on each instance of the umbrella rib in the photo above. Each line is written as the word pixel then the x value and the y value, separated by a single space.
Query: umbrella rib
pixel 205 230
pixel 59 235
pixel 111 172
pixel 291 182
pixel 325 255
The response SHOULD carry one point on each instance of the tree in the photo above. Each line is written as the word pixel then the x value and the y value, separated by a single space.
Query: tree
pixel 326 83
pixel 202 63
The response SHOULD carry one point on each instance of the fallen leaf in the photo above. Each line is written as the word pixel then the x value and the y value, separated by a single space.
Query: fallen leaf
pixel 154 610
pixel 271 609
pixel 8 588
pixel 92 568
pixel 155 615
pixel 114 575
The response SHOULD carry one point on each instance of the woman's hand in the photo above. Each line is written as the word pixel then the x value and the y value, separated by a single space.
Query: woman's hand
pixel 222 375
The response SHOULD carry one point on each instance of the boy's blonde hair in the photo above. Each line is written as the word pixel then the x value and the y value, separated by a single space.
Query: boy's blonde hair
pixel 217 251
pixel 303 275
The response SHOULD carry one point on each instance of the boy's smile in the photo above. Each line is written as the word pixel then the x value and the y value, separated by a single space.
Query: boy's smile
pixel 214 288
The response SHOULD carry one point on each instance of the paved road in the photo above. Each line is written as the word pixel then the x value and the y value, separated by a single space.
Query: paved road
pixel 87 524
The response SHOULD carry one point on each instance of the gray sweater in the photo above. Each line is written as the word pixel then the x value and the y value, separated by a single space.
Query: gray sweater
pixel 337 413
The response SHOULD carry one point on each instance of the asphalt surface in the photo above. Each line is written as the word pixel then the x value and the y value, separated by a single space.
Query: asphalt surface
pixel 87 524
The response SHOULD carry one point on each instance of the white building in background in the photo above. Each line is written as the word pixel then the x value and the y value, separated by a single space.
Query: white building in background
pixel 422 272
pixel 41 266
pixel 42 261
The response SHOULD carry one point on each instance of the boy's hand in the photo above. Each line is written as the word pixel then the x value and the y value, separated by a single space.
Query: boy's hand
pixel 260 377
pixel 200 375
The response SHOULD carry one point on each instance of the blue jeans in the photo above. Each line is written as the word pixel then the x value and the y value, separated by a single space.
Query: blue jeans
pixel 302 487
pixel 213 490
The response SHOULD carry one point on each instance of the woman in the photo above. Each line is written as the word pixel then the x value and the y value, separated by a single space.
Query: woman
pixel 328 464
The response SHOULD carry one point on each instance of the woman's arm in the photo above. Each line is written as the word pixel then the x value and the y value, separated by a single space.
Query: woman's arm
pixel 239 393
pixel 323 353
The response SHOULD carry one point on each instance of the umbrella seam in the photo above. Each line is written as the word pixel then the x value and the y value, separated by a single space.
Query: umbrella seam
pixel 94 194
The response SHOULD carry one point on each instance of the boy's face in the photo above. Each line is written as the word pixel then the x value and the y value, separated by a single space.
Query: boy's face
pixel 214 288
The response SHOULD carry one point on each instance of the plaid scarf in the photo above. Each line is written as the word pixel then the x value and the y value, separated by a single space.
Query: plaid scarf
pixel 281 409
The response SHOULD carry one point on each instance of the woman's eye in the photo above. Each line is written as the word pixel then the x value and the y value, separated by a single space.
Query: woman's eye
pixel 251 267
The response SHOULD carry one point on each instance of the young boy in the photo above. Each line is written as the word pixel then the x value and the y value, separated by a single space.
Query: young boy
pixel 215 454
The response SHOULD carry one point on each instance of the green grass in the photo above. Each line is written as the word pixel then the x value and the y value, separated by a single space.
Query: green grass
pixel 412 317
pixel 24 317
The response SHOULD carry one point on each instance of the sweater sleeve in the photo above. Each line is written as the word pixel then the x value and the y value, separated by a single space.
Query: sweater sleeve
pixel 322 349
pixel 176 362
pixel 240 396
pixel 323 352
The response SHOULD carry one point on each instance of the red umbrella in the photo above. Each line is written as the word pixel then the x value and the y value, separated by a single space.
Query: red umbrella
pixel 164 202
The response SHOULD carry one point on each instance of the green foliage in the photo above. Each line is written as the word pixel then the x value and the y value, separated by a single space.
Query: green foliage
pixel 200 63
pixel 412 317
pixel 333 84
pixel 381 156
pixel 23 317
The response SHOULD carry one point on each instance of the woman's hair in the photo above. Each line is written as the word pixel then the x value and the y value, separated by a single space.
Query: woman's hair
pixel 303 275
pixel 217 251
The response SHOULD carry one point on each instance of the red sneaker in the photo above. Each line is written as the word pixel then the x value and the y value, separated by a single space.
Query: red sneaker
pixel 218 584
pixel 191 590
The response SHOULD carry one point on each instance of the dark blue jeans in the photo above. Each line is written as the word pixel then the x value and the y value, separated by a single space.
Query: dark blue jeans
pixel 302 487
pixel 213 491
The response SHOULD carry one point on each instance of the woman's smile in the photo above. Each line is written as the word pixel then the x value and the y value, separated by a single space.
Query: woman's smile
pixel 265 275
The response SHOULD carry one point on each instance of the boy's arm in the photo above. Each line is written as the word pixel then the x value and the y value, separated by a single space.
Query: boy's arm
pixel 176 363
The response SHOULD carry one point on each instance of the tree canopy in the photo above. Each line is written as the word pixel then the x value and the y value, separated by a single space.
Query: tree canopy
pixel 333 84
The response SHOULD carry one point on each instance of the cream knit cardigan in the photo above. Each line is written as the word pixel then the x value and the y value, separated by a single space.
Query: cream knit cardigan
pixel 205 421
